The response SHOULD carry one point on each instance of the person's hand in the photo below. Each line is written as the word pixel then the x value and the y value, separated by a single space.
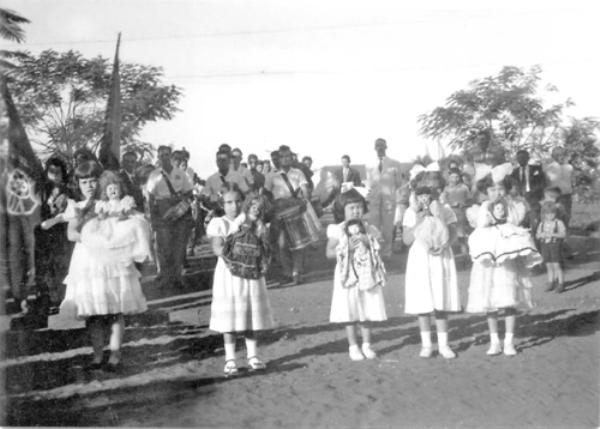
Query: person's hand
pixel 354 241
pixel 436 251
pixel 261 229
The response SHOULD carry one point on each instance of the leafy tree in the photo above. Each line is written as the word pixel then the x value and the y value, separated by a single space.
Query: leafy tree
pixel 10 29
pixel 507 108
pixel 62 100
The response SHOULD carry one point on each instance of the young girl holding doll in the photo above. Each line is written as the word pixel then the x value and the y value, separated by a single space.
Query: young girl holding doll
pixel 359 275
pixel 502 253
pixel 103 282
pixel 240 305
pixel 431 282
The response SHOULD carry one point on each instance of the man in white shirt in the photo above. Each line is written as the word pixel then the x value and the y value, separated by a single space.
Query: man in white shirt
pixel 167 186
pixel 224 174
pixel 559 174
pixel 385 183
pixel 287 185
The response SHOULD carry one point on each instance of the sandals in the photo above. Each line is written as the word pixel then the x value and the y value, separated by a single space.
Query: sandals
pixel 255 364
pixel 230 369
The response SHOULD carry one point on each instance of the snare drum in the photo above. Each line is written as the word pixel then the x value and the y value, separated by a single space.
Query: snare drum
pixel 301 225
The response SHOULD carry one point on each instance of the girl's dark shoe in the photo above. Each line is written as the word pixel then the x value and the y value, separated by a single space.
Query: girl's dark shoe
pixel 560 288
pixel 113 367
pixel 94 366
pixel 550 286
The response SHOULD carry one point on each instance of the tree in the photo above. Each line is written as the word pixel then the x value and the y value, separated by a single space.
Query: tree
pixel 62 100
pixel 507 108
pixel 10 29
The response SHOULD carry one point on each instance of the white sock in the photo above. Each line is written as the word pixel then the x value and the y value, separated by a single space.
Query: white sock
pixel 426 339
pixel 442 339
pixel 251 347
pixel 494 338
pixel 229 351
pixel 508 337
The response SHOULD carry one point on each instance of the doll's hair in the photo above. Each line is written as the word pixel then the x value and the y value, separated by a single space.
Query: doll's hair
pixel 361 226
pixel 252 199
pixel 503 203
pixel 352 196
pixel 549 207
pixel 109 178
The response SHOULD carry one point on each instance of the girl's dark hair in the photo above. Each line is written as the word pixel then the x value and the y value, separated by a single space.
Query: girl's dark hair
pixel 423 190
pixel 88 169
pixel 55 161
pixel 349 197
pixel 502 202
pixel 455 171
pixel 230 187
pixel 109 178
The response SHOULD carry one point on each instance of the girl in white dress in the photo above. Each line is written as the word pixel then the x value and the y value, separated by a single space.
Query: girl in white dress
pixel 239 305
pixel 357 293
pixel 431 283
pixel 502 254
pixel 103 282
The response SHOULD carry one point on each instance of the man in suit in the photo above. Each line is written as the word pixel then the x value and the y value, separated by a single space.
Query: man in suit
pixel 385 182
pixel 531 182
pixel 347 173
pixel 130 183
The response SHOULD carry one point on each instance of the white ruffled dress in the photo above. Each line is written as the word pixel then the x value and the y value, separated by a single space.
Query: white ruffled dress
pixel 238 304
pixel 354 304
pixel 102 278
pixel 431 281
pixel 502 256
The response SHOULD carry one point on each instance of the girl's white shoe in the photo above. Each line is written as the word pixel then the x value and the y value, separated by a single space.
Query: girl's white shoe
pixel 426 352
pixel 509 349
pixel 368 352
pixel 356 354
pixel 446 352
pixel 495 349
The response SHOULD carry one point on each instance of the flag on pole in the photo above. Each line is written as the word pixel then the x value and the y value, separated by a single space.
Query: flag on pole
pixel 21 176
pixel 110 146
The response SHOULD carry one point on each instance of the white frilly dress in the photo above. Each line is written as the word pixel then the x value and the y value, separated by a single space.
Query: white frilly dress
pixel 354 303
pixel 502 255
pixel 102 278
pixel 431 281
pixel 238 304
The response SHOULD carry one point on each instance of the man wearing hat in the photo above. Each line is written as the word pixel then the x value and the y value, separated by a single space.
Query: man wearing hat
pixel 386 182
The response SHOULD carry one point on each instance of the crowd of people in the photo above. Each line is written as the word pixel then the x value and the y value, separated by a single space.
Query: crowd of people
pixel 261 215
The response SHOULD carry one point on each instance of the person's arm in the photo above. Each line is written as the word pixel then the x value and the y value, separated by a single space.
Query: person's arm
pixel 561 230
pixel 411 220
pixel 539 234
pixel 217 244
pixel 331 250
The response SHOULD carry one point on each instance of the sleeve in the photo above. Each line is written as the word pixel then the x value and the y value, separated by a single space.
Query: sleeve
pixel 374 232
pixel 269 182
pixel 215 228
pixel 301 178
pixel 448 215
pixel 483 215
pixel 70 212
pixel 410 219
pixel 334 231
pixel 151 184
pixel 242 184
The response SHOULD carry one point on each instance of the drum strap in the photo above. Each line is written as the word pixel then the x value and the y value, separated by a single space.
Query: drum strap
pixel 169 185
pixel 289 185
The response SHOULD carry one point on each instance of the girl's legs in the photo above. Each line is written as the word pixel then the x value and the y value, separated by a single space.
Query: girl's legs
pixel 492 319
pixel 355 353
pixel 252 352
pixel 425 329
pixel 441 324
pixel 117 329
pixel 367 351
pixel 510 320
pixel 96 328
pixel 229 344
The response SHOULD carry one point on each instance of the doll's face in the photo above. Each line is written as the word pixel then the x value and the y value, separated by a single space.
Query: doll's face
pixel 232 203
pixel 354 229
pixel 424 200
pixel 499 212
pixel 254 211
pixel 113 191
pixel 353 211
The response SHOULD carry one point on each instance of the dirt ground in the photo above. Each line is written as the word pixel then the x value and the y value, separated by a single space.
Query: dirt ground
pixel 173 367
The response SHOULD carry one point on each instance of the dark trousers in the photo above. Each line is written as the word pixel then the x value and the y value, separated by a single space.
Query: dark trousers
pixel 171 241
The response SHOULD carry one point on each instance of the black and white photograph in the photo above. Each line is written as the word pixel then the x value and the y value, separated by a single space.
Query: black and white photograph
pixel 300 214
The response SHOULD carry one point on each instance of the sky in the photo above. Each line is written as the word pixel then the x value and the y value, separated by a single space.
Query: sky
pixel 325 77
